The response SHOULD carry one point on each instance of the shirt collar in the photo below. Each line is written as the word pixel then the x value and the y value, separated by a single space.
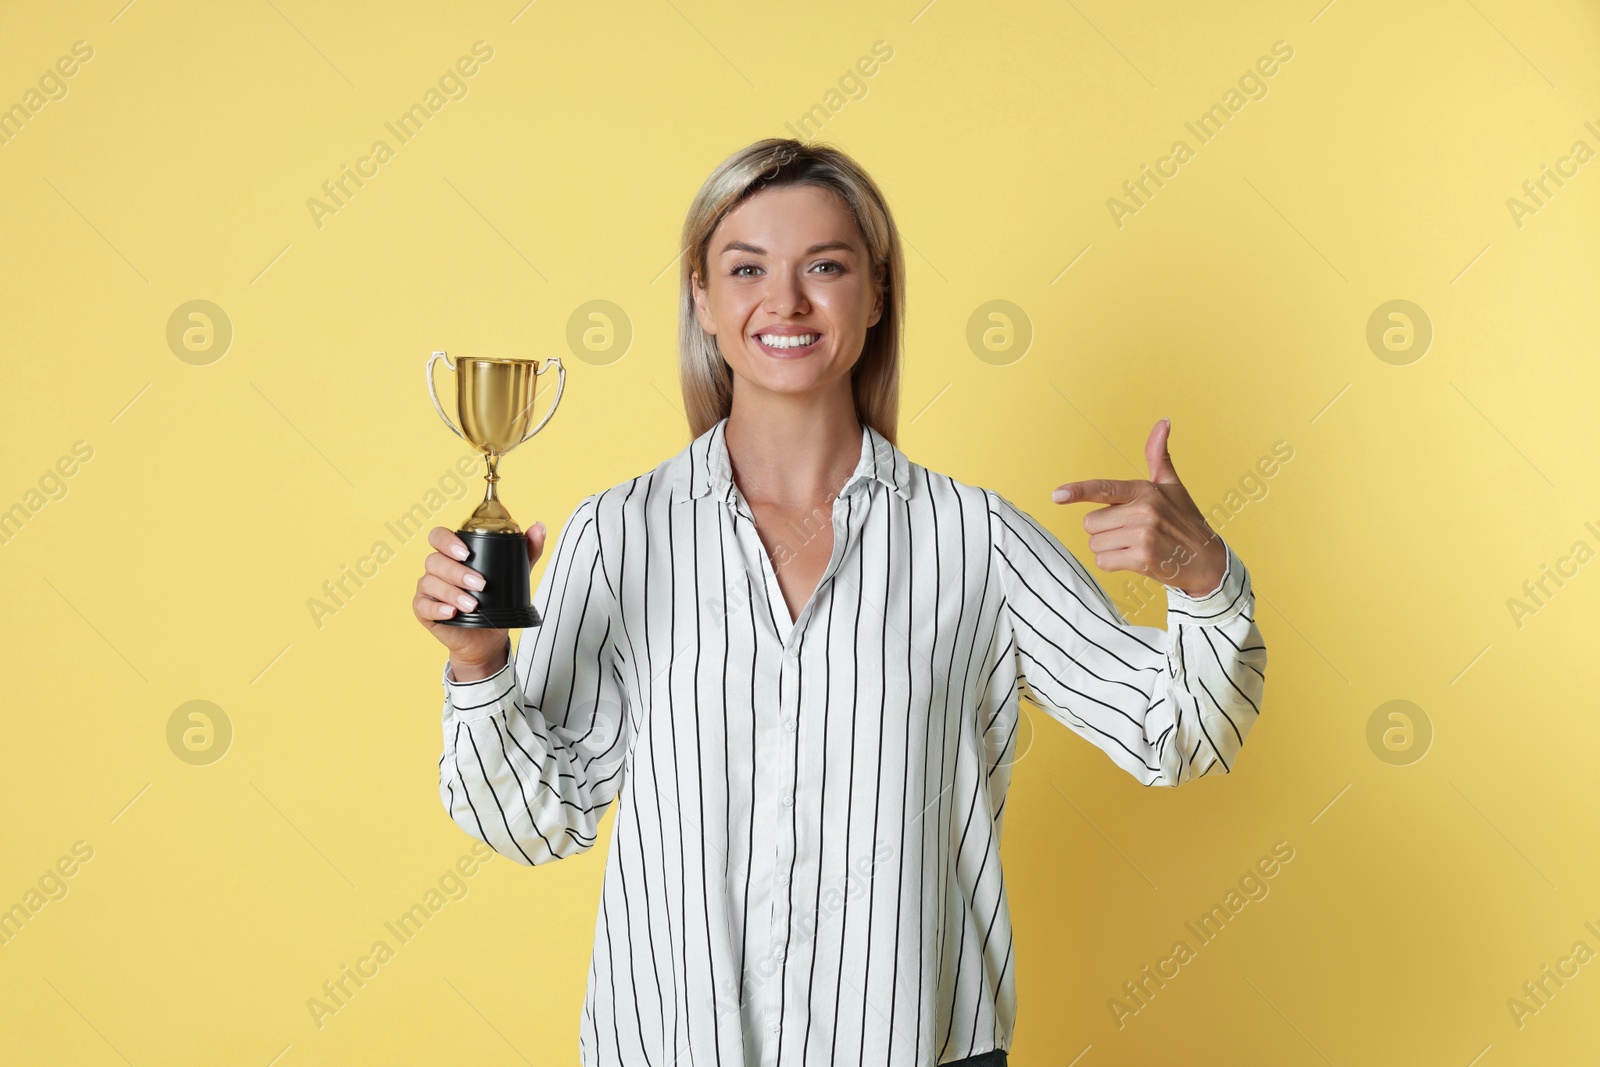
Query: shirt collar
pixel 702 468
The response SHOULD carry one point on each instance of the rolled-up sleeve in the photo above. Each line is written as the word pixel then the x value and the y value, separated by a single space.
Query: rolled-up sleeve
pixel 534 753
pixel 1165 705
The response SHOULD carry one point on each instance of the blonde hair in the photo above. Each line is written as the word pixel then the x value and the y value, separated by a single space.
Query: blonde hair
pixel 704 376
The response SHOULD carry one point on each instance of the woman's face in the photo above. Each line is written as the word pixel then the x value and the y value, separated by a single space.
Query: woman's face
pixel 789 293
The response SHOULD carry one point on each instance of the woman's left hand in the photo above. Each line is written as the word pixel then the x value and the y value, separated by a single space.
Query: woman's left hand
pixel 1151 527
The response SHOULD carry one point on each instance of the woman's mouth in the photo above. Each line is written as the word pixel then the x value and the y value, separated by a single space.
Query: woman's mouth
pixel 788 346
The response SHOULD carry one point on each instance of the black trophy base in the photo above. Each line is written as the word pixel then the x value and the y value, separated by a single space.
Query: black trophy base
pixel 503 602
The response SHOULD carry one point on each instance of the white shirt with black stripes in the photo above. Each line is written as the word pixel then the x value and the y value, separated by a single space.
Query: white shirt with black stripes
pixel 804 866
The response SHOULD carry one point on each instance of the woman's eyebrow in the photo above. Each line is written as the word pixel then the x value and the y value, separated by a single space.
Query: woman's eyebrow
pixel 745 246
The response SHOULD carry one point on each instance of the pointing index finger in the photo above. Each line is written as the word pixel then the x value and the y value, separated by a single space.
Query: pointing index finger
pixel 1099 490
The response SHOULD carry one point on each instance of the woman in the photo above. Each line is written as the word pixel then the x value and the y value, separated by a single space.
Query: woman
pixel 804 654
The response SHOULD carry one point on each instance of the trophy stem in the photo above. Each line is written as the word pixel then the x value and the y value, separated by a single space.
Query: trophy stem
pixel 491 515
pixel 493 477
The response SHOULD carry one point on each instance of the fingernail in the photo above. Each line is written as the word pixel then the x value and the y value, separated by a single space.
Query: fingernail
pixel 458 551
pixel 466 602
pixel 473 580
pixel 445 611
pixel 1061 496
pixel 540 525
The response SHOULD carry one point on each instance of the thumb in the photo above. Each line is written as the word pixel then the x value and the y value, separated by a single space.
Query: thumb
pixel 1156 455
pixel 535 542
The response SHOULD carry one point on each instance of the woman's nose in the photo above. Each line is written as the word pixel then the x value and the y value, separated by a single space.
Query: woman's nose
pixel 785 295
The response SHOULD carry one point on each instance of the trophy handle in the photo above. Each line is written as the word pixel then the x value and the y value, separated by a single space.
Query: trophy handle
pixel 436 357
pixel 561 382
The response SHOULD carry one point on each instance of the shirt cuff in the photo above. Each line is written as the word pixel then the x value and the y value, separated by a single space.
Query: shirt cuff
pixel 1228 599
pixel 480 699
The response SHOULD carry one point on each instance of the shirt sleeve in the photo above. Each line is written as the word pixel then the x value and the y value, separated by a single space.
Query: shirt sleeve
pixel 534 753
pixel 1166 705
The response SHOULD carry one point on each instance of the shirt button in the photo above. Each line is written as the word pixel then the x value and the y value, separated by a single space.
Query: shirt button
pixel 788 724
pixel 788 801
pixel 773 1028
pixel 791 652
pixel 783 878
pixel 778 952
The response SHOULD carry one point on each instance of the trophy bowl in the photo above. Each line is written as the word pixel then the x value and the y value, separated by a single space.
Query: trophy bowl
pixel 494 405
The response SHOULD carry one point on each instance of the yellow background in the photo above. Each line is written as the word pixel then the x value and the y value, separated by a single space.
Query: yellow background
pixel 179 563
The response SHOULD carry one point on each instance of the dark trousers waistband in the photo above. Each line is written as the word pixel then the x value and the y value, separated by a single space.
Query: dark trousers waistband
pixel 992 1058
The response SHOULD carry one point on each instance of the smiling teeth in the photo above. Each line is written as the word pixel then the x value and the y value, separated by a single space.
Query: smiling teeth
pixel 780 341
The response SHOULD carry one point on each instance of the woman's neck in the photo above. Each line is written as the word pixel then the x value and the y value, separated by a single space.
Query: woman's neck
pixel 792 454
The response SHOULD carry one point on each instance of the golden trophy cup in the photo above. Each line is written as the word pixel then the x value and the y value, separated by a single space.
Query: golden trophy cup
pixel 494 402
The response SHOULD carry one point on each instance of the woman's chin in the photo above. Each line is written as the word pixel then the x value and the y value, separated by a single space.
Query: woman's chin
pixel 789 381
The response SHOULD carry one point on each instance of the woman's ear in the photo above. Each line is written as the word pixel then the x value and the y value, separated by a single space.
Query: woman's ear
pixel 702 313
pixel 877 303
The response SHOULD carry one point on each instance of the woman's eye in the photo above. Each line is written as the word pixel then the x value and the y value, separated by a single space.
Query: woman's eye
pixel 743 266
pixel 831 263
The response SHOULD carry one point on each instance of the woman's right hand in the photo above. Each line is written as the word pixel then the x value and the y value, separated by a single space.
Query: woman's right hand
pixel 447 586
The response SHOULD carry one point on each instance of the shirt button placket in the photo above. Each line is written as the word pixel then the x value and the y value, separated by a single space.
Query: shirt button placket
pixel 784 841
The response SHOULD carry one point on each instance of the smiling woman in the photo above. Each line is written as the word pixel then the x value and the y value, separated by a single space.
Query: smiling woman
pixel 795 658
pixel 839 243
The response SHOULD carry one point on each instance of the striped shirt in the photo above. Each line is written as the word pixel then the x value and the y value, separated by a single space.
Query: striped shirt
pixel 804 868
